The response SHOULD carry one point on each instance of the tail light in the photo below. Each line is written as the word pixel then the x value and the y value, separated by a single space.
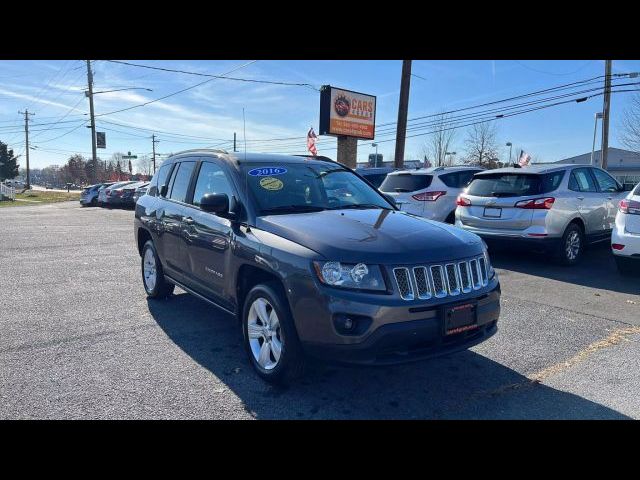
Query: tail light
pixel 428 196
pixel 463 201
pixel 537 203
pixel 629 206
pixel 617 246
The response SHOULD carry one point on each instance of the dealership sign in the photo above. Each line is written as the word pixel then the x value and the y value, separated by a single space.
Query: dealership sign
pixel 344 113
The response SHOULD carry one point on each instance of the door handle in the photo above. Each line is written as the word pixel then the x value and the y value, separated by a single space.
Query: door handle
pixel 580 198
pixel 609 198
pixel 188 220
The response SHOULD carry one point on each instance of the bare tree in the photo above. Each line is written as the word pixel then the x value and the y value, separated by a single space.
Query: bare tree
pixel 481 145
pixel 630 125
pixel 436 147
pixel 144 165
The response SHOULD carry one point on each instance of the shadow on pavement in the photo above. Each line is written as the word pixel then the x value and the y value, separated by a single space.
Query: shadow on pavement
pixel 463 385
pixel 597 268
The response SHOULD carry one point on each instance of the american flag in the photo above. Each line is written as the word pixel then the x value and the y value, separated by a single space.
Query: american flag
pixel 311 142
pixel 524 159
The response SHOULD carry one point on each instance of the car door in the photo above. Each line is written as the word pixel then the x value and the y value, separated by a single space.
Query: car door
pixel 589 202
pixel 208 237
pixel 174 252
pixel 610 192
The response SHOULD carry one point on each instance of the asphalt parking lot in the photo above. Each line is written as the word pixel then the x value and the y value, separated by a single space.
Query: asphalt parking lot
pixel 79 339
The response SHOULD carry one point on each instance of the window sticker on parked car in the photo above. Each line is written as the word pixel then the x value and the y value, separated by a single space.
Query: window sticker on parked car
pixel 270 183
pixel 267 171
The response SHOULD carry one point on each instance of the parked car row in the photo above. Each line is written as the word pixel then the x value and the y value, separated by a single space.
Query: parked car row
pixel 113 194
pixel 559 209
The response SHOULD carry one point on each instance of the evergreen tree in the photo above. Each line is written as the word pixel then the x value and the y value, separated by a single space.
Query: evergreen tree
pixel 8 163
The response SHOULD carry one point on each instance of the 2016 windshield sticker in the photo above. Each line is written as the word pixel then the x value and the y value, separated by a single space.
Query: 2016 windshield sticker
pixel 267 171
pixel 270 183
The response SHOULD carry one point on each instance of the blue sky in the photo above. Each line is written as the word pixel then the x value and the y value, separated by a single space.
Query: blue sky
pixel 209 114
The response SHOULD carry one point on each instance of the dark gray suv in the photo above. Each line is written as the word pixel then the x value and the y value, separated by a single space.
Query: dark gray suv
pixel 313 261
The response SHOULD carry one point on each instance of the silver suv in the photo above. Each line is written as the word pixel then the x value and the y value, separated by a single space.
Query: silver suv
pixel 561 208
pixel 428 192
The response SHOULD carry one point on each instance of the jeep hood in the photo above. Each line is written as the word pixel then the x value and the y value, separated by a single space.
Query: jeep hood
pixel 373 236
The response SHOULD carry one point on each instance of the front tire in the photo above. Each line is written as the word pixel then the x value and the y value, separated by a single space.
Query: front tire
pixel 571 246
pixel 270 337
pixel 152 274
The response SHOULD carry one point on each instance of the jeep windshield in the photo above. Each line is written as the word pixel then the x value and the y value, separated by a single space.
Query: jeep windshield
pixel 308 187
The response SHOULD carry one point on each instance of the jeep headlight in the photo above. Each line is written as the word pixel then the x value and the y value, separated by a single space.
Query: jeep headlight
pixel 490 271
pixel 350 275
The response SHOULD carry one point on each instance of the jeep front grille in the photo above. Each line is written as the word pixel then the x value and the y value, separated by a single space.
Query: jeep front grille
pixel 449 279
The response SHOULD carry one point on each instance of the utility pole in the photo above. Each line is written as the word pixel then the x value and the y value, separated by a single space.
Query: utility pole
pixel 605 113
pixel 89 93
pixel 154 141
pixel 403 107
pixel 26 135
pixel 234 142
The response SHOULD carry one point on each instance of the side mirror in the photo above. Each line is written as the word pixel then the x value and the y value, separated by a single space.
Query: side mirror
pixel 216 203
pixel 163 190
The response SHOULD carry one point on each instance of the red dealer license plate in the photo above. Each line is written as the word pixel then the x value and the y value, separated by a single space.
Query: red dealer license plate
pixel 460 318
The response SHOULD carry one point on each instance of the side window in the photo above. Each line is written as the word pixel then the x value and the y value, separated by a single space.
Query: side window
pixel 181 181
pixel 450 179
pixel 551 181
pixel 605 181
pixel 465 178
pixel 159 179
pixel 582 181
pixel 211 179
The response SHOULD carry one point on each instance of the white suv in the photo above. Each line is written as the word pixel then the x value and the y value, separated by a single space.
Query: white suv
pixel 429 192
pixel 625 238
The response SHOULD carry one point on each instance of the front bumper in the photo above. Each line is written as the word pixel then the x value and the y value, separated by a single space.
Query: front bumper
pixel 402 331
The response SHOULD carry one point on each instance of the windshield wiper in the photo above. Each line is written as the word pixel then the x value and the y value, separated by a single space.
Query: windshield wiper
pixel 360 206
pixel 292 209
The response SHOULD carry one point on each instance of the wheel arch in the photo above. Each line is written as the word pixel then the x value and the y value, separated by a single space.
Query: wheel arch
pixel 249 276
pixel 142 237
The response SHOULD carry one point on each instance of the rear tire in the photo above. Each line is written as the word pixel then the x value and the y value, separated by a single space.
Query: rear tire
pixel 152 274
pixel 625 266
pixel 571 247
pixel 270 336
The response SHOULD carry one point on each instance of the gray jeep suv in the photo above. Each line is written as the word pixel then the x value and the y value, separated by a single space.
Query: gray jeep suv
pixel 313 261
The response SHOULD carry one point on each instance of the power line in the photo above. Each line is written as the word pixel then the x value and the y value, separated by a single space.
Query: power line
pixel 63 135
pixel 553 73
pixel 174 93
pixel 271 82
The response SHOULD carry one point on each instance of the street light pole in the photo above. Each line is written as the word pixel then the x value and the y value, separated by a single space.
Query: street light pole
pixel 595 129
pixel 510 145
pixel 448 153
pixel 375 164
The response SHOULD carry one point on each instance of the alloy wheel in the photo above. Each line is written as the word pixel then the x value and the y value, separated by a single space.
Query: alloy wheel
pixel 265 336
pixel 149 270
pixel 572 245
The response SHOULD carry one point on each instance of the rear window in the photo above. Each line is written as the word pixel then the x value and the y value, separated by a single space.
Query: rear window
pixel 375 179
pixel 637 190
pixel 405 183
pixel 514 184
